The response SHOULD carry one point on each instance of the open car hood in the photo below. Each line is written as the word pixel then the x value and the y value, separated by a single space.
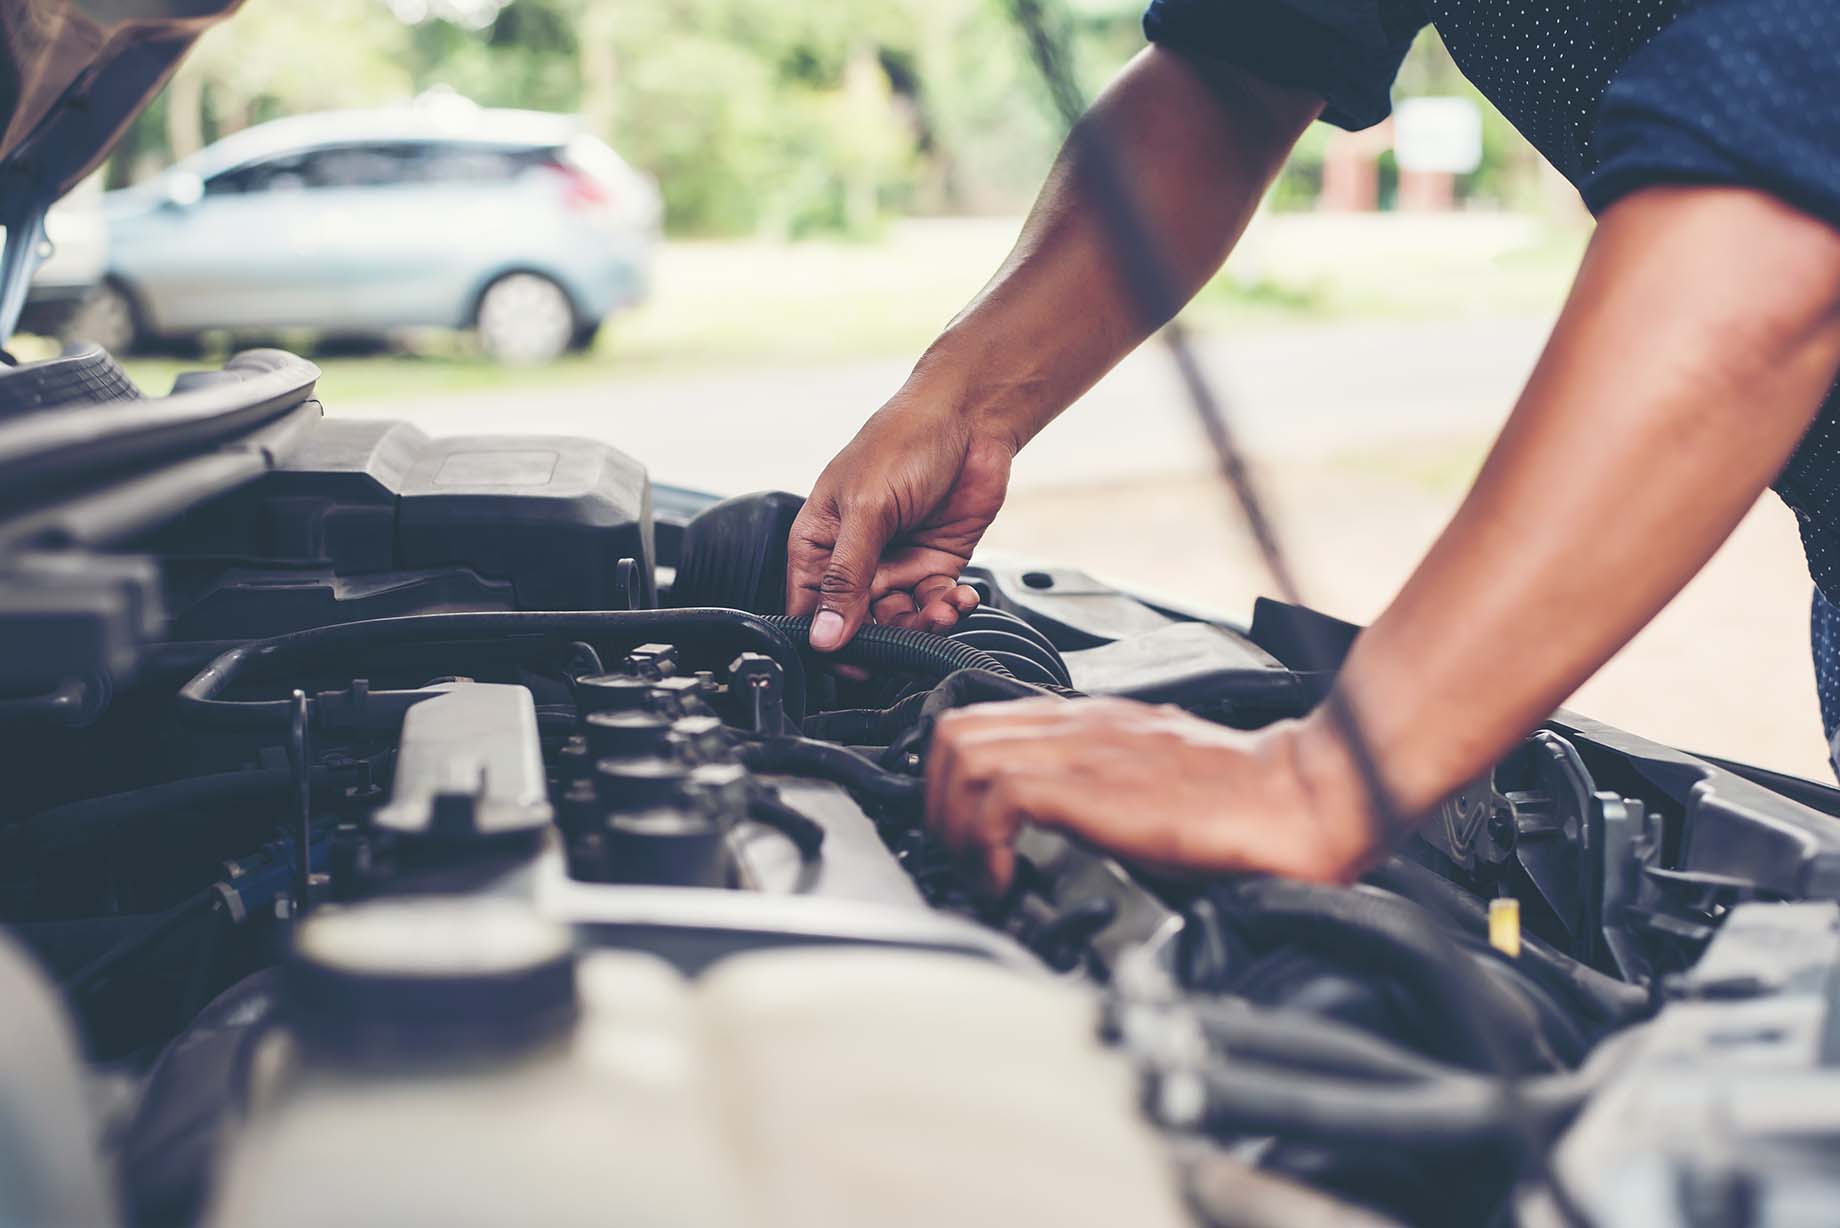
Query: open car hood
pixel 73 74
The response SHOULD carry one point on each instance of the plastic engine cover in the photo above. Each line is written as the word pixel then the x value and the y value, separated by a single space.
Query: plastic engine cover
pixel 374 518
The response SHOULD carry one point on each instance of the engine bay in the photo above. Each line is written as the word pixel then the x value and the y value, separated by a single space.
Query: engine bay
pixel 410 829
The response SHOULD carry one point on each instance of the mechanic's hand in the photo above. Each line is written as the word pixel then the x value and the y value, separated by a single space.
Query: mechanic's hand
pixel 892 521
pixel 1152 784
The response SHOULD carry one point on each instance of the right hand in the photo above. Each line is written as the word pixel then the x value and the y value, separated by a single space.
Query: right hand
pixel 892 522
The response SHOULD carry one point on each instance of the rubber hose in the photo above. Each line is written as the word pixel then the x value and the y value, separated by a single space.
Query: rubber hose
pixel 1286 1037
pixel 904 649
pixel 1399 933
pixel 199 699
pixel 806 835
pixel 1603 998
pixel 75 823
pixel 1461 1111
pixel 1559 1027
pixel 862 778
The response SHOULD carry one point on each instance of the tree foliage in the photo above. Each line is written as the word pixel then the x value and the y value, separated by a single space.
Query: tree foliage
pixel 786 117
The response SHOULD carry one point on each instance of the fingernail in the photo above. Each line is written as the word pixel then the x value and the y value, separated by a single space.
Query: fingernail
pixel 827 630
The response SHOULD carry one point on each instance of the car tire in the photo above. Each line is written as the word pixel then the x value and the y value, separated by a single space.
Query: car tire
pixel 107 315
pixel 525 320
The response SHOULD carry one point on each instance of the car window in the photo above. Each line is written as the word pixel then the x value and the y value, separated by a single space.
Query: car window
pixel 342 166
pixel 460 163
pixel 359 166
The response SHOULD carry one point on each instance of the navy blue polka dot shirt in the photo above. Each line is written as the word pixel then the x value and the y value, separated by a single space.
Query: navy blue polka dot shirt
pixel 1618 95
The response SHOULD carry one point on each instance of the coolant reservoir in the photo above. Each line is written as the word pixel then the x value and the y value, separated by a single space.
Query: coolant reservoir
pixel 455 1063
pixel 910 1088
pixel 515 1107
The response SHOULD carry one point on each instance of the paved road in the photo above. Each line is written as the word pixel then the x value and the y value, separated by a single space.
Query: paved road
pixel 1294 391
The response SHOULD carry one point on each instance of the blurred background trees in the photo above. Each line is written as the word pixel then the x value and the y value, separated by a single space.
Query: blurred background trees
pixel 790 118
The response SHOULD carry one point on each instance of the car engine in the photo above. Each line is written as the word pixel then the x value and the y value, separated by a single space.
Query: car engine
pixel 404 829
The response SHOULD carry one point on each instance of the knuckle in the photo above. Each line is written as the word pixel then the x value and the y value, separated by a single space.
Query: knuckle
pixel 838 581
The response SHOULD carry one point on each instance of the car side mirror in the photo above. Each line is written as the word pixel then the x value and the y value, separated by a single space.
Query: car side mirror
pixel 182 189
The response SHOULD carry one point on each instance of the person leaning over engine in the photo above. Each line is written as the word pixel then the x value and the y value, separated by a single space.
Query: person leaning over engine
pixel 1694 364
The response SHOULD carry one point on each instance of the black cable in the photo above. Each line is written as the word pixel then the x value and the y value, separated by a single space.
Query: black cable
pixel 861 777
pixel 866 726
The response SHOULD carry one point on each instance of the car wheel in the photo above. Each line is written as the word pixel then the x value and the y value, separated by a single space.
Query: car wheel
pixel 525 319
pixel 106 316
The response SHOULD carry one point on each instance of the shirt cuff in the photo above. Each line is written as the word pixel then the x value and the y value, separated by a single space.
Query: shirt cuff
pixel 1734 94
pixel 1350 66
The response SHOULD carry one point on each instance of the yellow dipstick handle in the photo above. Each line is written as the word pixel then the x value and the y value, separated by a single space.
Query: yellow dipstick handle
pixel 1505 926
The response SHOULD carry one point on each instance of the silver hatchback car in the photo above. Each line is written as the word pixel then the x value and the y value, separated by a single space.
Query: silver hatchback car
pixel 358 223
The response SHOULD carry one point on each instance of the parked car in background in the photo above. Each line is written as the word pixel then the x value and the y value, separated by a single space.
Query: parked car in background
pixel 356 223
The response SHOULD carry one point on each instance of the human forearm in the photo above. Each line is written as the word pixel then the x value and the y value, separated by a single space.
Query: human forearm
pixel 1195 157
pixel 893 519
pixel 1697 345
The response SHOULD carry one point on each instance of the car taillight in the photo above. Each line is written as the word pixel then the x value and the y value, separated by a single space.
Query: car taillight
pixel 581 190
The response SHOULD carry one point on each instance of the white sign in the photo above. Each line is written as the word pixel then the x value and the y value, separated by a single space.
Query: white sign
pixel 1438 134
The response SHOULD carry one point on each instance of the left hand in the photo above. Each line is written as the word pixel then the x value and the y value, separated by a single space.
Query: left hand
pixel 1152 784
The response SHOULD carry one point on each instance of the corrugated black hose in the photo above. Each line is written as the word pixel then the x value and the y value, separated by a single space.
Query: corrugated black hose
pixel 901 649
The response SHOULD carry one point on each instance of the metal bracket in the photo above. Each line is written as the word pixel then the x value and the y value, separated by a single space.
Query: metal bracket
pixel 26 248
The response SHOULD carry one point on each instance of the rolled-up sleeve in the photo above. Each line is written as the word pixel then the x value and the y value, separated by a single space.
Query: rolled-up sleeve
pixel 1735 92
pixel 1345 51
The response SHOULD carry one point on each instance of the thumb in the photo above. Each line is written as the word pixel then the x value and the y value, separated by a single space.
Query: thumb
pixel 843 589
